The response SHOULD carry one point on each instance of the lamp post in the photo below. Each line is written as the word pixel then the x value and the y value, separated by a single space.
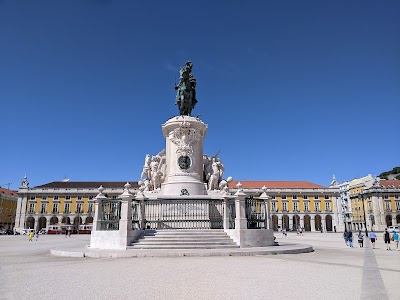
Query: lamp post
pixel 365 219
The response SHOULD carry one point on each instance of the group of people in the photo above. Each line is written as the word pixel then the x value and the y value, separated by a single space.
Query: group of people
pixel 299 231
pixel 387 237
pixel 33 234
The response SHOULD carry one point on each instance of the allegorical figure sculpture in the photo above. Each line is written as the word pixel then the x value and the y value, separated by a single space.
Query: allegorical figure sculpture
pixel 153 173
pixel 186 90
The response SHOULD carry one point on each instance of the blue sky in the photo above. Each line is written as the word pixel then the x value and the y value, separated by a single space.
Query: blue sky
pixel 290 90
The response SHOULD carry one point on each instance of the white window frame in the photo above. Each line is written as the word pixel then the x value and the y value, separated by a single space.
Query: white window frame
pixel 294 197
pixel 79 208
pixel 55 208
pixel 284 206
pixel 317 206
pixel 43 207
pixel 31 208
pixel 66 208
pixel 295 206
pixel 328 206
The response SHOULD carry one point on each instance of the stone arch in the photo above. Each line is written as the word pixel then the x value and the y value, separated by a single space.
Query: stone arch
pixel 285 222
pixel 30 223
pixel 77 222
pixel 296 222
pixel 89 220
pixel 53 220
pixel 318 222
pixel 328 223
pixel 66 220
pixel 307 223
pixel 41 223
pixel 389 220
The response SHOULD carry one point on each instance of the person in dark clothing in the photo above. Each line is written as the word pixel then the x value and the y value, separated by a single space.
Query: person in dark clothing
pixel 346 237
pixel 350 238
pixel 386 238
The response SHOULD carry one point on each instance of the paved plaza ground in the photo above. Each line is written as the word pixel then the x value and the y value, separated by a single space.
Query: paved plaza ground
pixel 332 271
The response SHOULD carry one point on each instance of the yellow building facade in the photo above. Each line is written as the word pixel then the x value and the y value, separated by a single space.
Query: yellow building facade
pixel 60 203
pixel 297 204
pixel 375 203
pixel 291 204
pixel 8 206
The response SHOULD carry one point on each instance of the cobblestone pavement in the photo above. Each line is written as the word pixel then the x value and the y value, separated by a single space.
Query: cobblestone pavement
pixel 333 271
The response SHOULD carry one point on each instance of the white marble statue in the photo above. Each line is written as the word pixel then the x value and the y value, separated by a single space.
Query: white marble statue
pixel 146 168
pixel 215 176
pixel 153 173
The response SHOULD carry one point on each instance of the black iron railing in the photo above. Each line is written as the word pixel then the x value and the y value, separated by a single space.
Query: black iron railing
pixel 255 213
pixel 181 214
pixel 232 213
pixel 110 214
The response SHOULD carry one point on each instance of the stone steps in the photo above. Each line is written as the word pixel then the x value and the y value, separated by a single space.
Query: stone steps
pixel 184 239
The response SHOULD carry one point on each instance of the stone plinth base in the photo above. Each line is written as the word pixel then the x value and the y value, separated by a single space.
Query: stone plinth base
pixel 113 239
pixel 252 237
pixel 175 188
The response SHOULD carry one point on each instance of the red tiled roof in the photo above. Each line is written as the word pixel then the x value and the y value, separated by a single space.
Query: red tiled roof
pixel 276 184
pixel 8 192
pixel 86 185
pixel 389 183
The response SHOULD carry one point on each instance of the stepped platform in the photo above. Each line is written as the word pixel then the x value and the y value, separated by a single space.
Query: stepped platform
pixel 180 243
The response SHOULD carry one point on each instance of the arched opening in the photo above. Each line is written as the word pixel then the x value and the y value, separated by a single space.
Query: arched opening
pixel 328 223
pixel 30 223
pixel 285 222
pixel 388 220
pixel 318 223
pixel 77 222
pixel 398 219
pixel 275 222
pixel 41 223
pixel 53 220
pixel 296 222
pixel 89 220
pixel 307 223
pixel 66 220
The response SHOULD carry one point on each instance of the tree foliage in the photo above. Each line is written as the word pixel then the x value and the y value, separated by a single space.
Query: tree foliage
pixel 396 170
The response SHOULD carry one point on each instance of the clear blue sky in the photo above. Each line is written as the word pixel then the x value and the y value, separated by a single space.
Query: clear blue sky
pixel 290 90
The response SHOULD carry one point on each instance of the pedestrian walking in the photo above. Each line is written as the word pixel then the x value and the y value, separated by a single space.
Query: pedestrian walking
pixel 69 232
pixel 66 231
pixel 346 237
pixel 301 230
pixel 386 238
pixel 360 237
pixel 37 235
pixel 372 237
pixel 350 238
pixel 30 236
pixel 395 237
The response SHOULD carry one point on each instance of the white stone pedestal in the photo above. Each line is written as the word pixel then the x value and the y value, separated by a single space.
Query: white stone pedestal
pixel 184 137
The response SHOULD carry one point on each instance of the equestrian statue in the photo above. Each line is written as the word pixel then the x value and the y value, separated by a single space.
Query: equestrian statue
pixel 186 90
